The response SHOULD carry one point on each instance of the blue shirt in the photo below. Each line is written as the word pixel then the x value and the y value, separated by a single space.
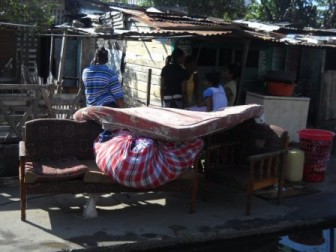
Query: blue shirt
pixel 102 86
pixel 219 99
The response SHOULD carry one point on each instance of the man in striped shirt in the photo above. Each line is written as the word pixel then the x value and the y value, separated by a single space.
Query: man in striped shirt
pixel 102 87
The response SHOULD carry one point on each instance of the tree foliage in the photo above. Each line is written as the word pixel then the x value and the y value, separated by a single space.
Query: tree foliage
pixel 226 9
pixel 328 13
pixel 313 13
pixel 298 12
pixel 33 12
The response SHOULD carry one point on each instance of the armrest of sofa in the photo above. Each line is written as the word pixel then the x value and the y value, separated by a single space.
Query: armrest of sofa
pixel 22 159
pixel 22 149
pixel 268 167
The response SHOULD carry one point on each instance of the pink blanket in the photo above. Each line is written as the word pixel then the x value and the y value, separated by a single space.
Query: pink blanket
pixel 169 124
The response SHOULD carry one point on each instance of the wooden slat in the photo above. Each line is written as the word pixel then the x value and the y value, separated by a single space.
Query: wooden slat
pixel 9 120
pixel 19 103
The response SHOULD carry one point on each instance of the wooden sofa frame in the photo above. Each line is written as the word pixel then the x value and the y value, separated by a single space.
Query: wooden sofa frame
pixel 262 170
pixel 50 138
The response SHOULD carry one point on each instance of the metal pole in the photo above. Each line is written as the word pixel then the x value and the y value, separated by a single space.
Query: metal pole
pixel 51 56
pixel 61 64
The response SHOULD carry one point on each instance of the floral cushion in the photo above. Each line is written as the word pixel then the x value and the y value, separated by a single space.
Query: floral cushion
pixel 54 170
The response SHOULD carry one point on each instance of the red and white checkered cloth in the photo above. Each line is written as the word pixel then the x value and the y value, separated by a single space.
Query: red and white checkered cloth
pixel 141 162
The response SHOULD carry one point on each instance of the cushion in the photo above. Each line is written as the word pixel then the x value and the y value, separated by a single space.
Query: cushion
pixel 54 170
pixel 167 123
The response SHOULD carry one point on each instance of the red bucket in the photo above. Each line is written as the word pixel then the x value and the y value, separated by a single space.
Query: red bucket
pixel 316 134
pixel 317 145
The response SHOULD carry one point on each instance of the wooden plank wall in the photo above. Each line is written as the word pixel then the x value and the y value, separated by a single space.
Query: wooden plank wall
pixel 140 57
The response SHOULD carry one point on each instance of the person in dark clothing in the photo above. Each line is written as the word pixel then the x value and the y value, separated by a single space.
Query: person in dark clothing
pixel 173 81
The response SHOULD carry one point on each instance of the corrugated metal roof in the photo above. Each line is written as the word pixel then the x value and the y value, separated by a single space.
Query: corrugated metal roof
pixel 283 33
pixel 171 24
pixel 159 20
pixel 154 33
pixel 178 33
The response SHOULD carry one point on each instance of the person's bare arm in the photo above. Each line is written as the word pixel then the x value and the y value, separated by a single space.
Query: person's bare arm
pixel 121 103
pixel 228 93
pixel 184 93
pixel 196 87
pixel 209 103
pixel 162 88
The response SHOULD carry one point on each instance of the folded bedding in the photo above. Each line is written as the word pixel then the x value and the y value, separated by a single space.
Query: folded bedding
pixel 141 162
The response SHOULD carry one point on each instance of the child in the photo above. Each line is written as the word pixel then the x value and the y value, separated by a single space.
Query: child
pixel 214 96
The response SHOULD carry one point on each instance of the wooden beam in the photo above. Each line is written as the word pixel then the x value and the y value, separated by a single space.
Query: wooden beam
pixel 321 98
pixel 242 70
pixel 62 61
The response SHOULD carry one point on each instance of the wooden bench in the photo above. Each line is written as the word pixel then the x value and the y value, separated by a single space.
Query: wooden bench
pixel 55 140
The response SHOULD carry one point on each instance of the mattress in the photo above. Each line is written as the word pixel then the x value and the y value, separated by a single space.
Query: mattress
pixel 169 124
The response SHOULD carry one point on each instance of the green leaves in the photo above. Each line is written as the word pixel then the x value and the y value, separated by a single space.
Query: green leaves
pixel 225 9
pixel 33 12
pixel 301 13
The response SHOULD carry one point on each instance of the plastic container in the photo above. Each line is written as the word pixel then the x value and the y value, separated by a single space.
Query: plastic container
pixel 280 88
pixel 280 76
pixel 317 146
pixel 295 165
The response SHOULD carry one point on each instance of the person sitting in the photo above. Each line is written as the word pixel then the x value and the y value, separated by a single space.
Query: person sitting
pixel 102 87
pixel 214 96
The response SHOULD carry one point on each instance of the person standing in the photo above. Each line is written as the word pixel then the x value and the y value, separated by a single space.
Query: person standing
pixel 173 81
pixel 102 87
pixel 192 85
pixel 231 86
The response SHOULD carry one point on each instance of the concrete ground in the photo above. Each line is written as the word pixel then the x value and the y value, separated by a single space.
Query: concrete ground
pixel 153 221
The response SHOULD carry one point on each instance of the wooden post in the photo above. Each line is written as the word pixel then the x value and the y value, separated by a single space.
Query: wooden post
pixel 242 70
pixel 149 80
pixel 321 115
pixel 61 64
pixel 21 61
pixel 80 62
